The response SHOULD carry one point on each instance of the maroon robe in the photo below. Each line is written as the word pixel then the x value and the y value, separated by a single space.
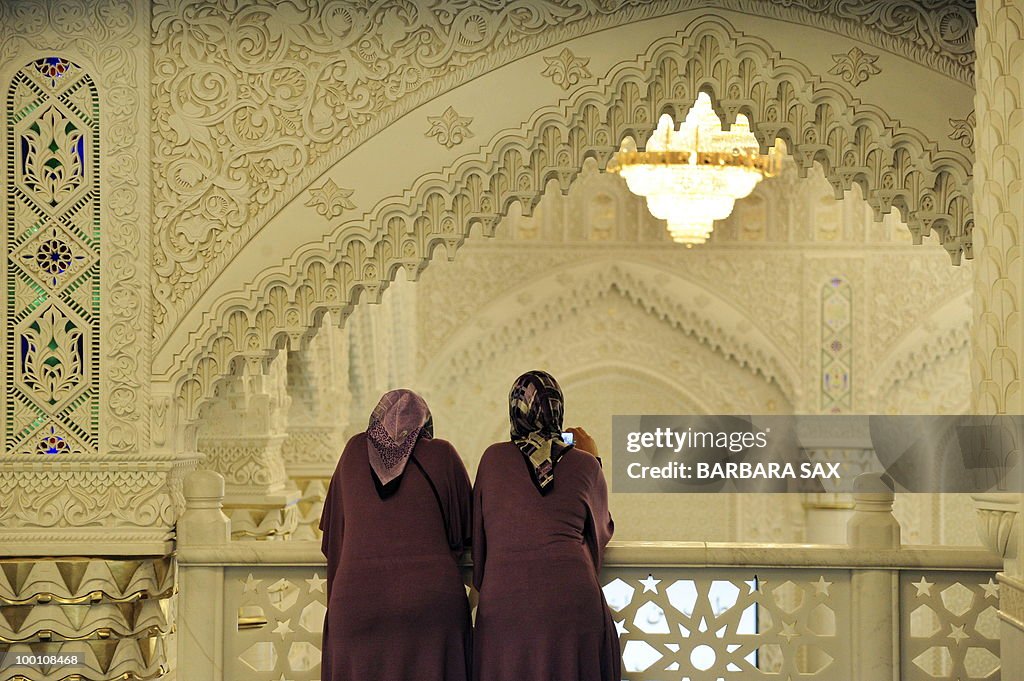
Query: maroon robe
pixel 397 607
pixel 536 563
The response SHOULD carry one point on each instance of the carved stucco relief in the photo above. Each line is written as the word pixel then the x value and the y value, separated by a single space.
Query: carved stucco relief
pixel 119 497
pixel 449 129
pixel 857 144
pixel 254 102
pixel 107 39
pixel 997 339
pixel 687 304
pixel 52 311
pixel 856 66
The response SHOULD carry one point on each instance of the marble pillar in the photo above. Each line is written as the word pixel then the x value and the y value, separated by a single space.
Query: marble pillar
pixel 997 335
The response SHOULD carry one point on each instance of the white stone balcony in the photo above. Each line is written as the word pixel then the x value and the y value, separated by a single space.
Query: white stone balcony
pixel 869 610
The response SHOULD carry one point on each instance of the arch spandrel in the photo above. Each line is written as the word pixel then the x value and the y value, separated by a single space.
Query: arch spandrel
pixel 228 158
pixel 822 119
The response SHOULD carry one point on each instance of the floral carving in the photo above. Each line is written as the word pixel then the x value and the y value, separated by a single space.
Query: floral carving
pixel 329 199
pixel 52 161
pixel 894 164
pixel 87 495
pixel 98 83
pixel 56 331
pixel 254 102
pixel 963 130
pixel 998 298
pixel 566 69
pixel 449 128
pixel 855 67
pixel 112 38
pixel 53 363
pixel 54 257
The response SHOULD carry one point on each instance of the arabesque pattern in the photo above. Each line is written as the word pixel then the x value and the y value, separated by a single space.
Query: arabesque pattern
pixel 52 311
pixel 255 100
pixel 855 143
pixel 949 628
pixel 674 623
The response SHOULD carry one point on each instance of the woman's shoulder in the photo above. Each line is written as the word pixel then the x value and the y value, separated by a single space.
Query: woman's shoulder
pixel 435 444
pixel 497 452
pixel 356 442
pixel 585 461
pixel 438 448
pixel 356 439
pixel 353 454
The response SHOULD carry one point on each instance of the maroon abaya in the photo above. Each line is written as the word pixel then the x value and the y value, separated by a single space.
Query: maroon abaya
pixel 536 561
pixel 397 607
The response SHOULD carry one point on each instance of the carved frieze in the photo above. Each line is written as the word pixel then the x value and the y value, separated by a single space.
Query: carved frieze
pixel 253 102
pixel 894 165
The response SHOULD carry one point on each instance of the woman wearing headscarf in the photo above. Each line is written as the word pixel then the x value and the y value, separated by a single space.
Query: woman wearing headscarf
pixel 395 522
pixel 540 526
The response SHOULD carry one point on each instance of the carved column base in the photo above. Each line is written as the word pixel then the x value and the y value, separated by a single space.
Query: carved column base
pixel 311 453
pixel 116 614
pixel 259 499
pixel 1011 627
pixel 273 516
pixel 89 506
pixel 999 526
pixel 313 491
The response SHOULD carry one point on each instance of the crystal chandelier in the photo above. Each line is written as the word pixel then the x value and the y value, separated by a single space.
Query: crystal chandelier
pixel 692 176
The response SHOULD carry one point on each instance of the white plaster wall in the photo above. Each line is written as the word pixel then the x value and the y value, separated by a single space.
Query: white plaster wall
pixel 469 327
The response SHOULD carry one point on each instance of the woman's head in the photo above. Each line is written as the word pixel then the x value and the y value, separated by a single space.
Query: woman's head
pixel 397 422
pixel 535 405
pixel 401 409
pixel 535 418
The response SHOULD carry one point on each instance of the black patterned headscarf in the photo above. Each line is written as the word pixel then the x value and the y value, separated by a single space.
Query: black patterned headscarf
pixel 535 406
pixel 398 421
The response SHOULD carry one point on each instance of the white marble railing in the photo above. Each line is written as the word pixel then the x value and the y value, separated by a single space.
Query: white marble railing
pixel 869 611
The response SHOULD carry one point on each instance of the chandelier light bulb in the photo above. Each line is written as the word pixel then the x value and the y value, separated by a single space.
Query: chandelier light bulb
pixel 693 175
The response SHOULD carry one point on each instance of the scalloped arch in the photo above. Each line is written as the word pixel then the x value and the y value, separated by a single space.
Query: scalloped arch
pixel 856 143
pixel 918 350
pixel 453 52
pixel 532 308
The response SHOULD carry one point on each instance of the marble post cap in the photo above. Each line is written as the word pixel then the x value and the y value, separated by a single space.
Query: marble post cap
pixel 873 483
pixel 204 484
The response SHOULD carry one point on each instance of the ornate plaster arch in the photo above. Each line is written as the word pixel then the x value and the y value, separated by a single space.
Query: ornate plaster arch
pixel 943 334
pixel 471 403
pixel 255 102
pixel 682 304
pixel 895 165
